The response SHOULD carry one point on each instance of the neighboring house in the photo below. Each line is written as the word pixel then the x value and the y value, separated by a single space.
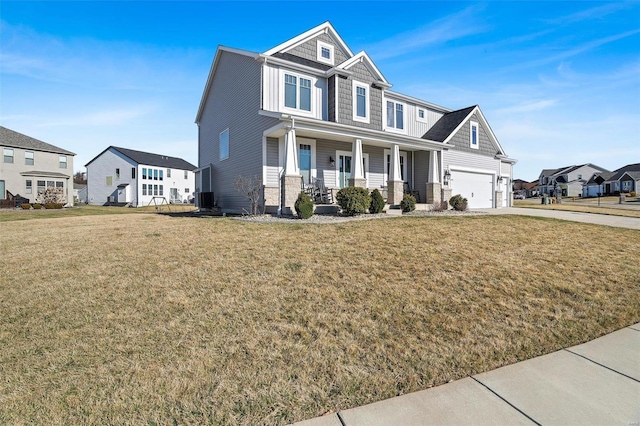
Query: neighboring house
pixel 29 166
pixel 623 179
pixel 524 187
pixel 311 110
pixel 80 193
pixel 125 176
pixel 567 181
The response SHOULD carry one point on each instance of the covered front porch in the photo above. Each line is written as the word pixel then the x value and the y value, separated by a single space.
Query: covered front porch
pixel 321 158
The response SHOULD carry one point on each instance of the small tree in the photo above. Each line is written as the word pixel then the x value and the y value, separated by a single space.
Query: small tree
pixel 408 203
pixel 251 188
pixel 51 195
pixel 304 206
pixel 377 202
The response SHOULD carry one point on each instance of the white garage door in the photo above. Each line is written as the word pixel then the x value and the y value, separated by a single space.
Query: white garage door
pixel 477 188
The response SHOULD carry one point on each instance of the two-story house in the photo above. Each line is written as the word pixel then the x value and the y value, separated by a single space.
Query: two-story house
pixel 625 179
pixel 310 110
pixel 567 181
pixel 126 176
pixel 29 166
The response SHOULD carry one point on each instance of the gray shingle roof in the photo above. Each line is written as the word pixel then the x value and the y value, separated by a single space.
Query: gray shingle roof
pixel 440 131
pixel 13 139
pixel 150 159
pixel 628 168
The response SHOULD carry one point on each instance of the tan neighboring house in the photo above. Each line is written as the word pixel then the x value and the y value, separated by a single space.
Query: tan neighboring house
pixel 29 166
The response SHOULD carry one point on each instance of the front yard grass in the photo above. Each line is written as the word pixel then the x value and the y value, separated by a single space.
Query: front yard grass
pixel 9 215
pixel 133 319
pixel 580 208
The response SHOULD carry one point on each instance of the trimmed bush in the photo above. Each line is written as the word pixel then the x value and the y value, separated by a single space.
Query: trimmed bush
pixel 408 203
pixel 53 206
pixel 37 206
pixel 304 206
pixel 458 202
pixel 439 206
pixel 377 202
pixel 25 206
pixel 353 200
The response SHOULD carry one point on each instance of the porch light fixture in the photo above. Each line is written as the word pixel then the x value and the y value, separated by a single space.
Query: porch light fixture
pixel 447 176
pixel 332 161
pixel 499 178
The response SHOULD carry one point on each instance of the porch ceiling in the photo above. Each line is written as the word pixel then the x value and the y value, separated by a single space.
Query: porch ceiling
pixel 342 133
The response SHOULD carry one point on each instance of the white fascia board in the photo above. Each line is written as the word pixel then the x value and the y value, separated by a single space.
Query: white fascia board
pixel 417 101
pixel 308 35
pixel 491 134
pixel 364 58
pixel 212 71
pixel 462 122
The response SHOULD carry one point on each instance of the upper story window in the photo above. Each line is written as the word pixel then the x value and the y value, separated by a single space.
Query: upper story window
pixel 160 172
pixel 297 92
pixel 360 102
pixel 224 144
pixel 8 155
pixel 421 115
pixel 144 173
pixel 168 173
pixel 325 53
pixel 474 137
pixel 28 158
pixel 579 176
pixel 395 115
pixel 186 175
pixel 117 174
pixel 155 174
pixel 63 161
pixel 133 173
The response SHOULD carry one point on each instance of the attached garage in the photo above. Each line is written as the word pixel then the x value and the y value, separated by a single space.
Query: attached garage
pixel 476 187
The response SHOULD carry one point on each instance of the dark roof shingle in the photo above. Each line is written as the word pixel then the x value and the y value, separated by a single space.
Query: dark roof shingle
pixel 150 159
pixel 440 131
pixel 13 139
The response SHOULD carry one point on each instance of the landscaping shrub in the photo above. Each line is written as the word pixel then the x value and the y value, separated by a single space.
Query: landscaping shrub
pixel 458 202
pixel 25 206
pixel 377 202
pixel 408 203
pixel 353 200
pixel 37 206
pixel 633 194
pixel 439 206
pixel 304 206
pixel 53 206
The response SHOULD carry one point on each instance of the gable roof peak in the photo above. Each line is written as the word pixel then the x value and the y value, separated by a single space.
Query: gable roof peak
pixel 325 28
pixel 362 57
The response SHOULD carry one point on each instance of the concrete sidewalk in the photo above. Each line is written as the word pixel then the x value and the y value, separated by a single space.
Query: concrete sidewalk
pixel 596 383
pixel 597 219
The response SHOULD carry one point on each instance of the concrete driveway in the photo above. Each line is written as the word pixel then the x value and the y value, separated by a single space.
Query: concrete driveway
pixel 596 219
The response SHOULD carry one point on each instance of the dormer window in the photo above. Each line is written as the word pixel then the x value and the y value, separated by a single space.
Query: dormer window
pixel 421 115
pixel 360 102
pixel 297 92
pixel 325 53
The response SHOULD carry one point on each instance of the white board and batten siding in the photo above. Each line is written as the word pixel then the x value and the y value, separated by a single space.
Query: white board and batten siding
pixel 273 91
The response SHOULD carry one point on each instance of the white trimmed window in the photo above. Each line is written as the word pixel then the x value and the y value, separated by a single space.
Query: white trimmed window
pixel 28 158
pixel 474 135
pixel 325 53
pixel 394 113
pixel 63 161
pixel 224 145
pixel 8 155
pixel 360 102
pixel 297 92
pixel 421 115
pixel 28 187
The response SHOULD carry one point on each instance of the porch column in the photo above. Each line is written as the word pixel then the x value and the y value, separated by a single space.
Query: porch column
pixel 291 178
pixel 357 169
pixel 395 186
pixel 433 185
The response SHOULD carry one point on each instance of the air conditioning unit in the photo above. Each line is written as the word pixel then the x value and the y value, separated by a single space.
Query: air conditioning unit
pixel 205 200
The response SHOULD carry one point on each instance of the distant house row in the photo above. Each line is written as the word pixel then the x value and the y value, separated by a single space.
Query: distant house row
pixel 115 176
pixel 585 180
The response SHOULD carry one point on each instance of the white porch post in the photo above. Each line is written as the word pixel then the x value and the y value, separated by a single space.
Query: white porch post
pixel 291 178
pixel 435 192
pixel 395 186
pixel 291 165
pixel 357 168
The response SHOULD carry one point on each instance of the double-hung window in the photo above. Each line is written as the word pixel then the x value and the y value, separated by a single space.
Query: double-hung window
pixel 8 155
pixel 28 187
pixel 395 115
pixel 297 92
pixel 360 102
pixel 63 161
pixel 473 135
pixel 144 173
pixel 28 158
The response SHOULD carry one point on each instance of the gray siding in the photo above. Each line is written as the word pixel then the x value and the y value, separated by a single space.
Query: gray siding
pixel 345 106
pixel 470 160
pixel 233 103
pixel 273 167
pixel 461 139
pixel 309 49
pixel 421 176
pixel 327 148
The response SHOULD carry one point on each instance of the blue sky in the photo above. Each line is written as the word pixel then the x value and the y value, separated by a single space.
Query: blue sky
pixel 559 82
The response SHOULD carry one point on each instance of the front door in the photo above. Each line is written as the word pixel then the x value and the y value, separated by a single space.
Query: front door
pixel 344 165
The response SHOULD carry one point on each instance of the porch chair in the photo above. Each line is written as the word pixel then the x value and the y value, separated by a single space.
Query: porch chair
pixel 324 195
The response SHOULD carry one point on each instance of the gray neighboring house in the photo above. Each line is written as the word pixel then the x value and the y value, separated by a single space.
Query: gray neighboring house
pixel 80 193
pixel 310 110
pixel 625 179
pixel 126 176
pixel 567 181
pixel 30 165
